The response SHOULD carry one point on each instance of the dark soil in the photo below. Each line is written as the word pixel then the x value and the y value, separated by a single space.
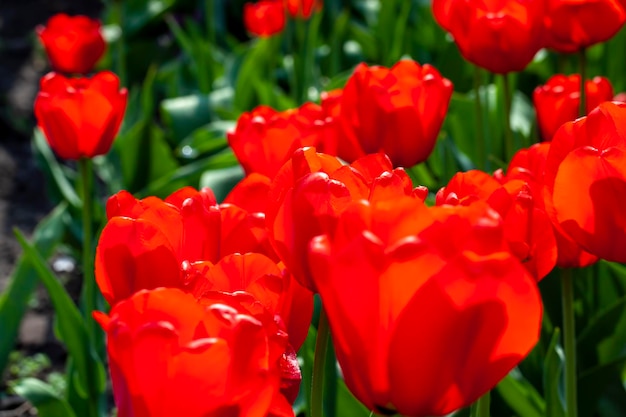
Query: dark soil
pixel 23 201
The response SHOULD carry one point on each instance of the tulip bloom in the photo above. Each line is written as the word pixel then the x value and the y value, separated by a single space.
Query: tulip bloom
pixel 80 116
pixel 171 355
pixel 500 36
pixel 311 191
pixel 187 242
pixel 264 18
pixel 303 8
pixel 428 310
pixel 73 44
pixel 571 25
pixel 585 179
pixel 397 111
pixel 529 165
pixel 558 100
pixel 264 139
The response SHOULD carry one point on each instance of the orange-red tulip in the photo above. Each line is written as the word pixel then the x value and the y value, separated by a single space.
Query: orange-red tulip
pixel 310 192
pixel 187 242
pixel 501 36
pixel 80 116
pixel 73 44
pixel 572 25
pixel 171 355
pixel 428 310
pixel 264 139
pixel 585 180
pixel 558 101
pixel 264 18
pixel 397 111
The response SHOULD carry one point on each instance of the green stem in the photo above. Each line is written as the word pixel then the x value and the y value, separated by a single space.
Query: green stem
pixel 319 361
pixel 481 407
pixel 569 336
pixel 480 143
pixel 582 62
pixel 89 295
pixel 508 133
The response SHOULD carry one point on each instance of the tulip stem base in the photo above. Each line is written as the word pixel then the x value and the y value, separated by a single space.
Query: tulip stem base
pixel 569 336
pixel 319 362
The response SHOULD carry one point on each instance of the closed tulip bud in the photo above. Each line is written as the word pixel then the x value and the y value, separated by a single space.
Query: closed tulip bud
pixel 73 44
pixel 397 111
pixel 558 101
pixel 80 116
pixel 500 36
pixel 264 18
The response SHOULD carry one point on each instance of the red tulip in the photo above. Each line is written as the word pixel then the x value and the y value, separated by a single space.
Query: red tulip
pixel 529 165
pixel 311 190
pixel 303 8
pixel 265 139
pixel 585 180
pixel 187 242
pixel 558 101
pixel 80 116
pixel 251 193
pixel 145 242
pixel 527 228
pixel 170 355
pixel 73 44
pixel 427 308
pixel 396 111
pixel 501 36
pixel 572 25
pixel 264 18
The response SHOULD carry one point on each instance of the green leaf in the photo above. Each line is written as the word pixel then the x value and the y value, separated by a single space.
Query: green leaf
pixel 14 299
pixel 222 181
pixel 54 169
pixel 592 384
pixel 144 155
pixel 347 404
pixel 183 115
pixel 206 140
pixel 552 374
pixel 43 397
pixel 189 174
pixel 600 327
pixel 521 396
pixel 71 327
pixel 140 13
